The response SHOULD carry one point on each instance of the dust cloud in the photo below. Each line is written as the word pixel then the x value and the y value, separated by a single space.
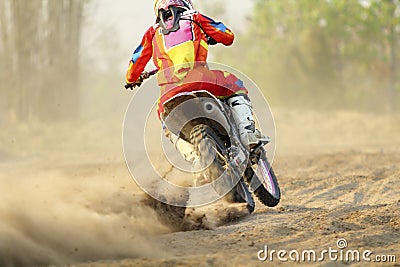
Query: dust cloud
pixel 68 198
pixel 75 213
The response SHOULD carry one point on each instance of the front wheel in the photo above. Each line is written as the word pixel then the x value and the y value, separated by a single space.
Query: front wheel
pixel 263 181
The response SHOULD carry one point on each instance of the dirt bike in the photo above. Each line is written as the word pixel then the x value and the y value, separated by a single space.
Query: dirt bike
pixel 207 123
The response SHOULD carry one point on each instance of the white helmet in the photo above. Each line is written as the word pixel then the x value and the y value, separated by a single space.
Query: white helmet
pixel 169 13
pixel 165 4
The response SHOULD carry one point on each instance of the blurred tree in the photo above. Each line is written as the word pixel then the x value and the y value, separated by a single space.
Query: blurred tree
pixel 39 55
pixel 325 53
pixel 214 10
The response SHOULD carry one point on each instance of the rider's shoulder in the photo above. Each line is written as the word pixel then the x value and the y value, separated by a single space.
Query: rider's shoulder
pixel 153 28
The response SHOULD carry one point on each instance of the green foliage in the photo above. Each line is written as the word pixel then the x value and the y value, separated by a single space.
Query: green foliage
pixel 324 53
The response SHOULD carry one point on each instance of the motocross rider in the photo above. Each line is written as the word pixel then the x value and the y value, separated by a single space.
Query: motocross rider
pixel 180 39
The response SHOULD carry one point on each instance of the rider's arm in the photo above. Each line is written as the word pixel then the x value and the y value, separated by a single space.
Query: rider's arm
pixel 216 30
pixel 140 57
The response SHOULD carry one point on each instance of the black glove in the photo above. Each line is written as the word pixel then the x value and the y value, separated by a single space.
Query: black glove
pixel 129 86
pixel 211 41
pixel 138 82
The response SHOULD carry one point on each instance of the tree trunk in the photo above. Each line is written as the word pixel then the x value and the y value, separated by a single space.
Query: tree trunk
pixel 393 71
pixel 39 53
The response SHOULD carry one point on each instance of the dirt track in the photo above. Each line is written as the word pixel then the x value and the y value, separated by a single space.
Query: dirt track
pixel 85 210
pixel 352 195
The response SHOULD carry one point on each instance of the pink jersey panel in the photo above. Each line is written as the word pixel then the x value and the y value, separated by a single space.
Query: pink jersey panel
pixel 184 34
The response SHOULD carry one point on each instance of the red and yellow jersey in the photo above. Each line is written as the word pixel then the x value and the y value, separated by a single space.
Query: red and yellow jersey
pixel 175 54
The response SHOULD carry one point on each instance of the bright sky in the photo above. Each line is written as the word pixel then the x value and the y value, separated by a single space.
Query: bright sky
pixel 122 23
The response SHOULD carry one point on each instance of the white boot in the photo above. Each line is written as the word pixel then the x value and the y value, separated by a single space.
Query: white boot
pixel 243 114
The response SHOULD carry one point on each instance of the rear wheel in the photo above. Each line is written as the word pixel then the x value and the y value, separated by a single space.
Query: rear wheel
pixel 170 216
pixel 210 149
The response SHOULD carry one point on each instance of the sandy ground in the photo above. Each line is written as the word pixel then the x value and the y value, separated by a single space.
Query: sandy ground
pixel 76 205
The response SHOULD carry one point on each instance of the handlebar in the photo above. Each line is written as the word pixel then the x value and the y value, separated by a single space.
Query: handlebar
pixel 144 76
